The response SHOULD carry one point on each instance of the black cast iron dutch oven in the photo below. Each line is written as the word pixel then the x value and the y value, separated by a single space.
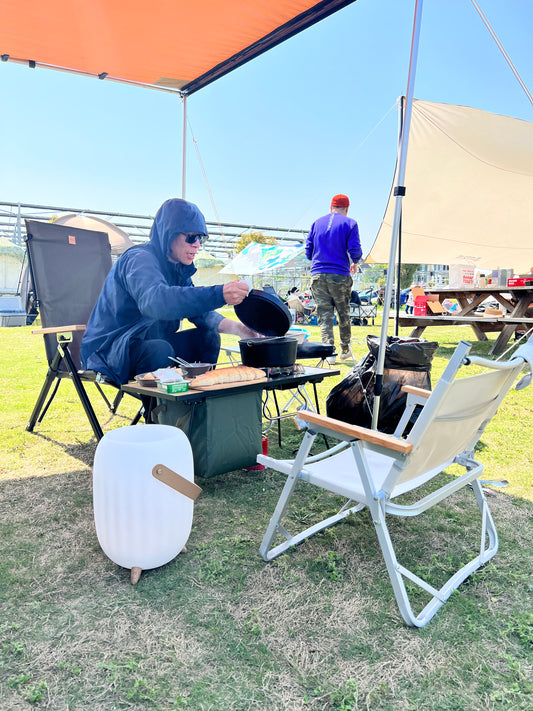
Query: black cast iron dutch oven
pixel 267 314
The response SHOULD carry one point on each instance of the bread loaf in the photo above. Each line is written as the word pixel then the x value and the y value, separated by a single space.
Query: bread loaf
pixel 236 374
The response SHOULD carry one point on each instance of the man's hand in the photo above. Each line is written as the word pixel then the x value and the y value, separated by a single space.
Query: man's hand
pixel 353 268
pixel 236 328
pixel 235 292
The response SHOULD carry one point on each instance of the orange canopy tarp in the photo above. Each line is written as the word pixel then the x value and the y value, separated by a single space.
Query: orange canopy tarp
pixel 173 44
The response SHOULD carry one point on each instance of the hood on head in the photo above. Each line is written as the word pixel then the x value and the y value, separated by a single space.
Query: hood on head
pixel 174 216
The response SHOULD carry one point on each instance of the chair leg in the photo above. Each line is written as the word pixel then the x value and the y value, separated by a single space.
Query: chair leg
pixel 275 522
pixel 140 413
pixel 49 402
pixel 398 573
pixel 98 432
pixel 51 375
pixel 112 407
pixel 275 526
pixel 39 412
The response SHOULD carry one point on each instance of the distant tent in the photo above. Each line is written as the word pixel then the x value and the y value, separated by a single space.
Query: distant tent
pixel 118 239
pixel 469 182
pixel 209 270
pixel 11 259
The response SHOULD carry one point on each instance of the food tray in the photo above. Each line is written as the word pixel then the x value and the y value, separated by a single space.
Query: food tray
pixel 146 382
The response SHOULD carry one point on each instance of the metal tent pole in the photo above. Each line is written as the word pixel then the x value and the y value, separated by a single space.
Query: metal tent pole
pixel 399 192
pixel 399 267
pixel 184 150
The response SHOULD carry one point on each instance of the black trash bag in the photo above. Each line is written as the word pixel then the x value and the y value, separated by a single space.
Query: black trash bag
pixel 407 362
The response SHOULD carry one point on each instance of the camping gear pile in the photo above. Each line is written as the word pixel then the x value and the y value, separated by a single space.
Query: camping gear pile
pixel 407 362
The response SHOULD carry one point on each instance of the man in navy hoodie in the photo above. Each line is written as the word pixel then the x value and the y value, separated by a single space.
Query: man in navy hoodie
pixel 332 241
pixel 134 326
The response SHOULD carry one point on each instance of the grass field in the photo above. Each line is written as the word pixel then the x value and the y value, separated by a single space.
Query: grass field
pixel 217 628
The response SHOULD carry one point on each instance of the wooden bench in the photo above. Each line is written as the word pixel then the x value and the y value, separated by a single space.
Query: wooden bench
pixel 480 325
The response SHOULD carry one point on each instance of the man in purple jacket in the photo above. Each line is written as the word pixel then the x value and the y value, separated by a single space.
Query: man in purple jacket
pixel 332 241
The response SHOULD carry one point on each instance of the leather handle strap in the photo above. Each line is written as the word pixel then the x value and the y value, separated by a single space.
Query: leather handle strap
pixel 176 481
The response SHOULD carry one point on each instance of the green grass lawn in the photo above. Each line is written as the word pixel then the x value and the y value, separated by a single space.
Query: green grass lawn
pixel 217 628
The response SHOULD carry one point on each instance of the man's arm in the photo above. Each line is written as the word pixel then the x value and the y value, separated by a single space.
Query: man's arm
pixel 309 245
pixel 354 245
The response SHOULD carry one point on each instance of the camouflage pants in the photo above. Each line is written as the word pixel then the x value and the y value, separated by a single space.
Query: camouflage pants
pixel 332 292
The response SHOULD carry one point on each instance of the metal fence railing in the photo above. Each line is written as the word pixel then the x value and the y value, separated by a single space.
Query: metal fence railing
pixel 222 236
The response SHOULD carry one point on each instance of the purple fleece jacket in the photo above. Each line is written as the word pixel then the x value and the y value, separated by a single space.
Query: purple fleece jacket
pixel 332 240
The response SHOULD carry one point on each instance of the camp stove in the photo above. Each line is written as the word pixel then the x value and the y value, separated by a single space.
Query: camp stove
pixel 282 371
pixel 279 371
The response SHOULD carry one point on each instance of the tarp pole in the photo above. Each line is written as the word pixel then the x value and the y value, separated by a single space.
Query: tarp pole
pixel 184 150
pixel 399 268
pixel 399 192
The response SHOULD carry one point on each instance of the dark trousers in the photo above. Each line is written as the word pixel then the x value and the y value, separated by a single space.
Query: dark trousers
pixel 193 345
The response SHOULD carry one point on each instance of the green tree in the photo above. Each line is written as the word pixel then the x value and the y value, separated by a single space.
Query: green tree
pixel 377 272
pixel 407 272
pixel 245 239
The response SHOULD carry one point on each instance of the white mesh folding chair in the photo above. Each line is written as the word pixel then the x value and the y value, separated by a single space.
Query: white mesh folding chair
pixel 371 469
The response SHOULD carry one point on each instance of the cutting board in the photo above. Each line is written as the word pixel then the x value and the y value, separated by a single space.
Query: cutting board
pixel 225 386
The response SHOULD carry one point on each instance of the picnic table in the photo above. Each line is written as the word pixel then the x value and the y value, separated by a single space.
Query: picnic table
pixel 514 302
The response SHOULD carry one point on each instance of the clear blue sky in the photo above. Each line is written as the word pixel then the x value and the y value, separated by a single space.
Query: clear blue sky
pixel 277 137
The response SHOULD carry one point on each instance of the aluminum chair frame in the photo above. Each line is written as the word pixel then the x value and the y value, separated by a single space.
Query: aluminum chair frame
pixel 370 468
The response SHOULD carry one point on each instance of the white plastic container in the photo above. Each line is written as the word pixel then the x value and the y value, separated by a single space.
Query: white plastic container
pixel 142 518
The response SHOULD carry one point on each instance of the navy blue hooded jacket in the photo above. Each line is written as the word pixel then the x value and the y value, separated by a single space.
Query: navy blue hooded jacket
pixel 145 295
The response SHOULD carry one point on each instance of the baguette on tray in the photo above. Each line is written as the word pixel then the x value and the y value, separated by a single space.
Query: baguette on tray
pixel 235 374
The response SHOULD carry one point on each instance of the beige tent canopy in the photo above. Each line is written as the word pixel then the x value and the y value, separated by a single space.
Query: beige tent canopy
pixel 11 260
pixel 469 185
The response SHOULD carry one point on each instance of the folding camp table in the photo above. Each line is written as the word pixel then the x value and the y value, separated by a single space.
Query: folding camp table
pixel 224 424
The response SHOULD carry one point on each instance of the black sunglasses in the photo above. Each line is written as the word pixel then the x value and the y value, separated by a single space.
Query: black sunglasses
pixel 192 237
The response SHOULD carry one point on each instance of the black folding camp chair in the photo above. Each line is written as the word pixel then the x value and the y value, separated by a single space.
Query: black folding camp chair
pixel 68 267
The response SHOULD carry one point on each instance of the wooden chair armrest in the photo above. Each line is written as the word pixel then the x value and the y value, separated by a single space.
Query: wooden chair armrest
pixel 59 329
pixel 372 436
pixel 421 392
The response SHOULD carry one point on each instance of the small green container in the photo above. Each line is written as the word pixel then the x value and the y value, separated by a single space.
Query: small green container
pixel 177 387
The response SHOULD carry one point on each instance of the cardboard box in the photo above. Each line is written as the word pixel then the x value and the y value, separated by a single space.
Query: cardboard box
pixel 521 281
pixel 461 275
pixel 434 306
pixel 493 313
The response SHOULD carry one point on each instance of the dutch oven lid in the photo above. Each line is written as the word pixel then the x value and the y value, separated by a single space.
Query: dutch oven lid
pixel 264 313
